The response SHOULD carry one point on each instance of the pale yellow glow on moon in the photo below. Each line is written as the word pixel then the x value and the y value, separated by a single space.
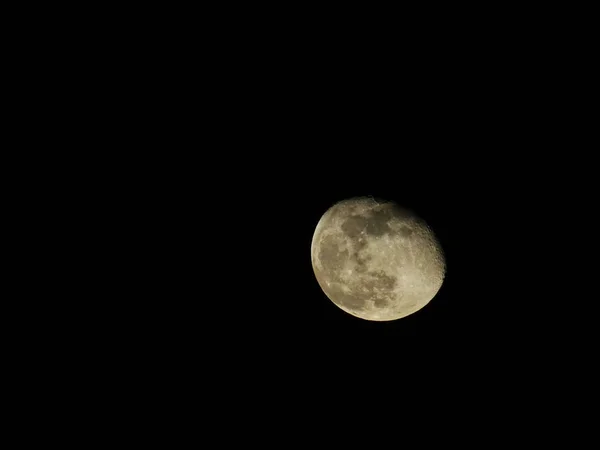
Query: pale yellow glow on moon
pixel 376 260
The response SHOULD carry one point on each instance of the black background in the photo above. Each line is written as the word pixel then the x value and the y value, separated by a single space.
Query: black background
pixel 212 155
pixel 233 202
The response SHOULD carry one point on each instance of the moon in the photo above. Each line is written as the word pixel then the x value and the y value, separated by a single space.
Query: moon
pixel 376 260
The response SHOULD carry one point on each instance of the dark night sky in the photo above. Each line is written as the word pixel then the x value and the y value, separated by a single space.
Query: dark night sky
pixel 237 160
pixel 241 287
pixel 239 308
pixel 186 158
pixel 241 191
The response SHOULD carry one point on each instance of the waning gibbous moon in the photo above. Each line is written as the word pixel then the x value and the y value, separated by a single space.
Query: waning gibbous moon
pixel 376 260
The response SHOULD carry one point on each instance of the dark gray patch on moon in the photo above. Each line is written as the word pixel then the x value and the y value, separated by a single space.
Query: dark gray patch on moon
pixel 380 302
pixel 354 225
pixel 376 225
pixel 384 281
pixel 361 268
pixel 361 262
pixel 405 231
pixel 380 281
pixel 379 222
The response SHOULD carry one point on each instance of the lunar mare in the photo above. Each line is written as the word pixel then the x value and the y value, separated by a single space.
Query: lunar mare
pixel 376 260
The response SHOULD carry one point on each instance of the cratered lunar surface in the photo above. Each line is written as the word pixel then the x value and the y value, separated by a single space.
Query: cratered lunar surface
pixel 376 260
